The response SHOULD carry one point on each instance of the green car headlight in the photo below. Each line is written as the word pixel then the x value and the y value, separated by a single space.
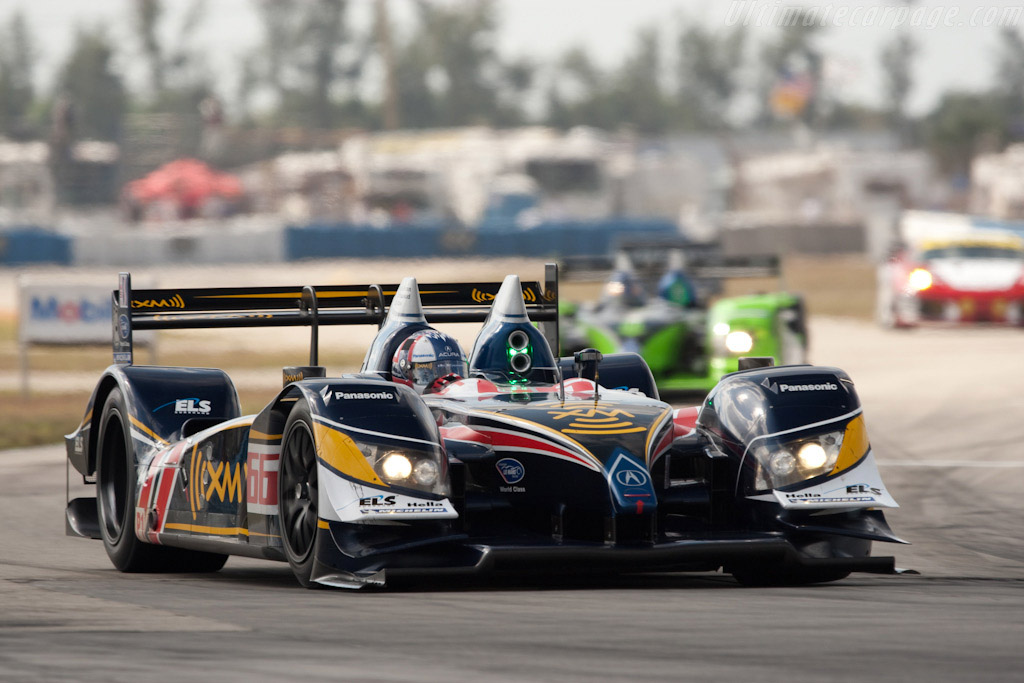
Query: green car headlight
pixel 739 341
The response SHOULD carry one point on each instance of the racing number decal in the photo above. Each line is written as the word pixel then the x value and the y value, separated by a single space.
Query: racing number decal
pixel 262 482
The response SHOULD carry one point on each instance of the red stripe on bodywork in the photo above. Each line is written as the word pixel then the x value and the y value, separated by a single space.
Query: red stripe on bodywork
pixel 464 433
pixel 504 440
pixel 684 421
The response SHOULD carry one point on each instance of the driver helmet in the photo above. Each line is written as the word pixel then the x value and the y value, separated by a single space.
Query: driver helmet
pixel 428 360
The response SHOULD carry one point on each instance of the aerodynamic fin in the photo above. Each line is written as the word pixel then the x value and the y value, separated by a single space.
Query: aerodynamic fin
pixel 404 318
pixel 509 348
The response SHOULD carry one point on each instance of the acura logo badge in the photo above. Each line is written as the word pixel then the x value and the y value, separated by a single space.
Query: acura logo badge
pixel 631 477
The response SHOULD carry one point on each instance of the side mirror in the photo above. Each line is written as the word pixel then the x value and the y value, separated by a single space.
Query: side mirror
pixel 751 362
pixel 586 362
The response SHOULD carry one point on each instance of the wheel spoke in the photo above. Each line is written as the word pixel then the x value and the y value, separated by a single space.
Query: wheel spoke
pixel 298 492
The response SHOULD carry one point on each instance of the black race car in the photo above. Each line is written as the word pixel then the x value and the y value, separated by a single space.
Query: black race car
pixel 523 462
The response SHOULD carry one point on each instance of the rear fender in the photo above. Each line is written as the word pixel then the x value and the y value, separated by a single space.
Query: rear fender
pixel 159 401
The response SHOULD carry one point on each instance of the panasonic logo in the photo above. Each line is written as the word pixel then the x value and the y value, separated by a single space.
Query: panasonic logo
pixel 326 394
pixel 365 395
pixel 827 386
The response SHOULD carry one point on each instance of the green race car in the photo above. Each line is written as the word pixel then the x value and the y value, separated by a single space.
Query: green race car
pixel 688 346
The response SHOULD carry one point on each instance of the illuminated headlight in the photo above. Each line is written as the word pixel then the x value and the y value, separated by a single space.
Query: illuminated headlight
pixel 795 461
pixel 739 342
pixel 395 467
pixel 407 467
pixel 720 329
pixel 919 279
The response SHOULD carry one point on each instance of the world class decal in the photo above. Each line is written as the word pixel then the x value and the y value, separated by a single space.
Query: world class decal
pixel 511 470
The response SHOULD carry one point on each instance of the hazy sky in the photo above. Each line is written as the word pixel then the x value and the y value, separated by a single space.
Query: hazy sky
pixel 958 41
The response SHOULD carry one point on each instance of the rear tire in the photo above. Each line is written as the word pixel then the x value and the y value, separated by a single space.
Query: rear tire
pixel 298 495
pixel 116 477
pixel 115 491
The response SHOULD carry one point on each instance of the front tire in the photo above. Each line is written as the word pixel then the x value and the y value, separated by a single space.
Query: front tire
pixel 298 495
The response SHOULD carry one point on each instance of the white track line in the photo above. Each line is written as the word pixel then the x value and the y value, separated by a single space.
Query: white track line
pixel 1010 464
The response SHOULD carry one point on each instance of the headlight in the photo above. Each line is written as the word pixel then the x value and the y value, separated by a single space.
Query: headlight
pixel 739 342
pixel 785 463
pixel 395 467
pixel 919 279
pixel 407 467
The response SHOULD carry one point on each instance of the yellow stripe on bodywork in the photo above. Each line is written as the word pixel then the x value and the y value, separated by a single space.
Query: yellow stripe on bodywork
pixel 146 430
pixel 217 530
pixel 325 294
pixel 210 530
pixel 340 452
pixel 855 445
pixel 254 434
pixel 322 524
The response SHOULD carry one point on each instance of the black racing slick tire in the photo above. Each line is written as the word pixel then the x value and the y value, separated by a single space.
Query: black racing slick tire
pixel 115 490
pixel 298 494
pixel 116 478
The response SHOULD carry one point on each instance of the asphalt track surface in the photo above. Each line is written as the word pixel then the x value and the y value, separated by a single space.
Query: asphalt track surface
pixel 944 410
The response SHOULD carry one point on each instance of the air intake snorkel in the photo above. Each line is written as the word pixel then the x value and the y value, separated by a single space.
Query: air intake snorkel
pixel 509 348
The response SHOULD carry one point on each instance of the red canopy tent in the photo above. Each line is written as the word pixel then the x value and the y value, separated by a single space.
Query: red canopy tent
pixel 188 183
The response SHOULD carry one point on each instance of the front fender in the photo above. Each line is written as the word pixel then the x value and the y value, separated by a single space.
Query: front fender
pixel 346 414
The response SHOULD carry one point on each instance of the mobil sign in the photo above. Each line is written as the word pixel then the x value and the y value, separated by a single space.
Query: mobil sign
pixel 64 314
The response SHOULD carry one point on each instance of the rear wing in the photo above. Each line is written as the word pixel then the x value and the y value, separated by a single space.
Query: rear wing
pixel 221 307
pixel 649 255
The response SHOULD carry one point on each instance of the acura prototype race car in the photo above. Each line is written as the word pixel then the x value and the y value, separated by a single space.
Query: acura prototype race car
pixel 427 462
pixel 971 277
pixel 688 343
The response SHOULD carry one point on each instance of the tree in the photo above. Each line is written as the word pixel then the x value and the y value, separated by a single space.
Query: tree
pixel 1010 79
pixel 464 68
pixel 17 55
pixel 631 95
pixel 710 65
pixel 897 63
pixel 963 125
pixel 638 98
pixel 146 17
pixel 308 62
pixel 88 82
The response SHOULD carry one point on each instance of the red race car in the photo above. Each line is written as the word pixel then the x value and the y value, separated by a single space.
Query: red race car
pixel 976 277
